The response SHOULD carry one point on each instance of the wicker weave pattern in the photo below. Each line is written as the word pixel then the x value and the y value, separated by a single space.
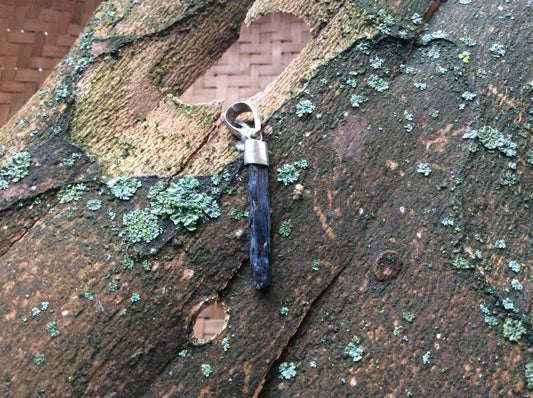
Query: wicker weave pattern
pixel 34 36
pixel 263 50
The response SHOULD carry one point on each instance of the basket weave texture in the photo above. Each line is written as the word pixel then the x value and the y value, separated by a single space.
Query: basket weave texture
pixel 263 50
pixel 34 36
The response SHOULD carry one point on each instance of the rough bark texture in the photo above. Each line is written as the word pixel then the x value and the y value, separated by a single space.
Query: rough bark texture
pixel 389 172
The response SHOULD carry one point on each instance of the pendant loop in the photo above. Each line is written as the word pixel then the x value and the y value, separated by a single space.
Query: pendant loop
pixel 242 130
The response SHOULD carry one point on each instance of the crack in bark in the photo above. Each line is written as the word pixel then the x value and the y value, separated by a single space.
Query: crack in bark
pixel 259 388
pixel 435 4
pixel 26 230
pixel 202 145
pixel 232 275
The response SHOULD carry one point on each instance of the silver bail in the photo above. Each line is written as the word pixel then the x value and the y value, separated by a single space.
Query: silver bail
pixel 255 152
pixel 242 130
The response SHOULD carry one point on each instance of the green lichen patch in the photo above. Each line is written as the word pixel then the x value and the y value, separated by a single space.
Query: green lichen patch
pixel 14 168
pixel 140 225
pixel 287 370
pixel 529 375
pixel 356 100
pixel 39 358
pixel 492 138
pixel 408 316
pixel 182 201
pixel 508 179
pixel 516 285
pixel 225 344
pixel 238 214
pixel 497 50
pixel 128 262
pixel 147 265
pixel 206 369
pixel 465 56
pixel 288 173
pixel 113 286
pixel 461 263
pixel 51 328
pixel 513 329
pixel 94 204
pixel 529 157
pixel 377 83
pixel 70 161
pixel 304 107
pixel 515 266
pixel 71 193
pixel 500 244
pixel 285 229
pixel 354 351
pixel 423 168
pixel 124 187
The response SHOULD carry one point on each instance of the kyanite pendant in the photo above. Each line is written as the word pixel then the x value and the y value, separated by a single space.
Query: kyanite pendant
pixel 256 159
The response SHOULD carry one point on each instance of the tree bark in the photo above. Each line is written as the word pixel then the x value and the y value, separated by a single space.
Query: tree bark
pixel 407 271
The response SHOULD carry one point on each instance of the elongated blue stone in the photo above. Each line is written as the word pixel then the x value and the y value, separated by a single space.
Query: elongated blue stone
pixel 259 224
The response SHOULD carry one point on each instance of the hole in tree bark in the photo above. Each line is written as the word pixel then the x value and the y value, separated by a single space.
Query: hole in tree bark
pixel 388 265
pixel 263 50
pixel 210 321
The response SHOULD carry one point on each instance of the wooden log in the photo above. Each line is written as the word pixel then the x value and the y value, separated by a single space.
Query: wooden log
pixel 427 165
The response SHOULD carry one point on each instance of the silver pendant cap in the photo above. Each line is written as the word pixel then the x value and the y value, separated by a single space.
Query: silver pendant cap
pixel 255 152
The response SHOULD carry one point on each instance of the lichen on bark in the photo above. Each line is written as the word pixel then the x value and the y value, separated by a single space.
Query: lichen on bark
pixel 125 329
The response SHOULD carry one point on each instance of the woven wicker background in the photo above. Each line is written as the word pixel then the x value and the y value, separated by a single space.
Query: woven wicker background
pixel 209 322
pixel 34 36
pixel 263 50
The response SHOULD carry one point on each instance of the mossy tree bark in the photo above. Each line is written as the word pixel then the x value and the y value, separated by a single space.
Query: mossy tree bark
pixel 408 239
